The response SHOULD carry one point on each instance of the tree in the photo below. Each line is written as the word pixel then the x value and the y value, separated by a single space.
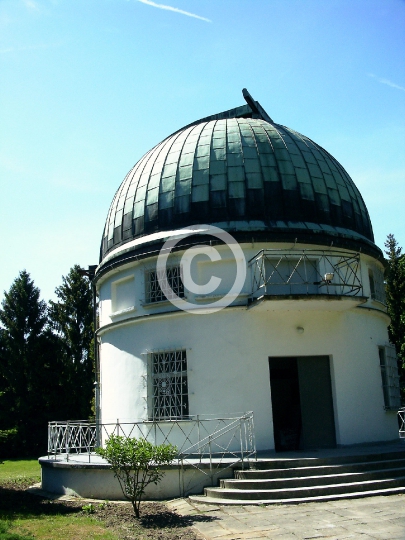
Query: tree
pixel 395 291
pixel 136 464
pixel 27 366
pixel 72 320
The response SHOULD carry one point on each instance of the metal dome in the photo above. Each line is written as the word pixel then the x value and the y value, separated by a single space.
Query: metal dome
pixel 243 172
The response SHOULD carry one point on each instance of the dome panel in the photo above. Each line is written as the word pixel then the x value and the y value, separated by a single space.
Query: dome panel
pixel 236 170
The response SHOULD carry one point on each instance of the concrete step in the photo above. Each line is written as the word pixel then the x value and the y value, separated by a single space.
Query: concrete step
pixel 316 480
pixel 287 463
pixel 318 470
pixel 305 491
pixel 301 479
pixel 202 499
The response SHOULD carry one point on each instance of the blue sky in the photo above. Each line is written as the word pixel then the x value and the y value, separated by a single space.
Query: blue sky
pixel 88 86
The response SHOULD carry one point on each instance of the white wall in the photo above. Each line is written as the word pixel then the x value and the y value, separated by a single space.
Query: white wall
pixel 228 365
pixel 97 481
pixel 227 354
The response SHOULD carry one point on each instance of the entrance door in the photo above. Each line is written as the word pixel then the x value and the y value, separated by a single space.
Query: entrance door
pixel 301 395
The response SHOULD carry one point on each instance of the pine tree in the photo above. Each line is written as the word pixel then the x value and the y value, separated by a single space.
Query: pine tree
pixel 27 365
pixel 395 290
pixel 72 320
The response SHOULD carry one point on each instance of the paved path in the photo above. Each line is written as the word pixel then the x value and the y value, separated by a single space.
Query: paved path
pixel 381 518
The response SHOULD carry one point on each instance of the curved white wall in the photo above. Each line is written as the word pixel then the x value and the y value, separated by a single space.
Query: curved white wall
pixel 228 351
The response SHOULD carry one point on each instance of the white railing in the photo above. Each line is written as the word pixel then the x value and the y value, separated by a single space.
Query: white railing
pixel 72 437
pixel 206 443
pixel 401 417
pixel 286 272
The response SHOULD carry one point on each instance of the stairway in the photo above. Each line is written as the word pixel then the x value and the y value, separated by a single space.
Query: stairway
pixel 277 481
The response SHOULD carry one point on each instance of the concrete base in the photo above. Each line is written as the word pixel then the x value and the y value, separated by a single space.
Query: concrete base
pixel 91 477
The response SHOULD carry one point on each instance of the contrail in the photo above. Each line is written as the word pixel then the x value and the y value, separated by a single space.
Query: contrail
pixel 387 82
pixel 176 10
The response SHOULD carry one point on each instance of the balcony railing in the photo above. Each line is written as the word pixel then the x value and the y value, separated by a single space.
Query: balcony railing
pixel 306 272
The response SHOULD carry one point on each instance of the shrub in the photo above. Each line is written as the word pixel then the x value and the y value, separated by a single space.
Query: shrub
pixel 136 464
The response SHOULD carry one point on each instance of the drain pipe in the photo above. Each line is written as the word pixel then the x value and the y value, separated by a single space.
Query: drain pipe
pixel 91 274
pixel 97 365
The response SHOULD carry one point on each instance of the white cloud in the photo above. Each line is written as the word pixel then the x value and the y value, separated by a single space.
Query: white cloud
pixel 387 82
pixel 176 10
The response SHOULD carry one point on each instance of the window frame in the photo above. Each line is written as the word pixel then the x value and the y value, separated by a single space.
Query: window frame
pixel 168 367
pixel 377 285
pixel 285 285
pixel 389 377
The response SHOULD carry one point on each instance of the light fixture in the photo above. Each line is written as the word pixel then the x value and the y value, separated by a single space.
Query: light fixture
pixel 328 277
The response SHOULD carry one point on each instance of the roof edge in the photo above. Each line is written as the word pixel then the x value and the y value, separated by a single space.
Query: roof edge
pixel 152 244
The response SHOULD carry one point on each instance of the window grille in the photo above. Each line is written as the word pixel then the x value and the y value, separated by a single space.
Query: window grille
pixel 389 376
pixel 169 384
pixel 172 280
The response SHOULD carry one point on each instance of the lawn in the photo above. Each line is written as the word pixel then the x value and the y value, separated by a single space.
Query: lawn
pixel 24 516
pixel 13 469
pixel 56 528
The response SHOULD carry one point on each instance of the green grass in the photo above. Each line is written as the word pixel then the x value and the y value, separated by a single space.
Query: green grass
pixel 14 469
pixel 6 535
pixel 26 517
pixel 58 528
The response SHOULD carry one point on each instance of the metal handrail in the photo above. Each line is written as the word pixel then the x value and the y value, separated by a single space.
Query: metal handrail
pixel 207 444
pixel 401 418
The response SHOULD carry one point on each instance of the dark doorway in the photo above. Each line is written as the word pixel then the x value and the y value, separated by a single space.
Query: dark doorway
pixel 285 399
pixel 301 396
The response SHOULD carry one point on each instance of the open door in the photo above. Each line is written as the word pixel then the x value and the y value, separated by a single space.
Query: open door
pixel 302 404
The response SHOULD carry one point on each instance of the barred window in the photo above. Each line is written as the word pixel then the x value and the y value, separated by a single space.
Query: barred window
pixel 169 384
pixel 389 376
pixel 171 278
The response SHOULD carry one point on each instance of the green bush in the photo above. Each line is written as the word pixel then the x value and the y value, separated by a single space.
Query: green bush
pixel 136 464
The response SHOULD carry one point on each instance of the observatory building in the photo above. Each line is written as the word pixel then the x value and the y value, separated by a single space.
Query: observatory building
pixel 302 342
pixel 241 308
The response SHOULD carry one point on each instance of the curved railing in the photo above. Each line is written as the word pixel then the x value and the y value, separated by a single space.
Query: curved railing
pixel 309 271
pixel 207 443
